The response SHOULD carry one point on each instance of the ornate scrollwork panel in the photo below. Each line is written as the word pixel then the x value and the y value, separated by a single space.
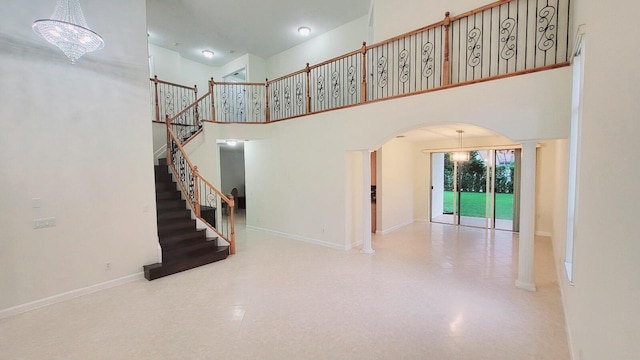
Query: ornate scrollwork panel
pixel 382 72
pixel 427 59
pixel 257 108
pixel 224 97
pixel 299 95
pixel 508 38
pixel 352 80
pixel 320 87
pixel 276 100
pixel 474 46
pixel 335 84
pixel 403 66
pixel 547 29
pixel 287 98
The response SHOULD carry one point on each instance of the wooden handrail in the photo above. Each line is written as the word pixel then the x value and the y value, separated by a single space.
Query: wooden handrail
pixel 155 79
pixel 240 83
pixel 177 142
pixel 286 76
pixel 337 58
pixel 195 205
pixel 407 34
pixel 170 120
pixel 222 196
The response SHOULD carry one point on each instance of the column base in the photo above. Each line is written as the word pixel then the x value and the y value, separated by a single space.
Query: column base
pixel 526 286
pixel 367 251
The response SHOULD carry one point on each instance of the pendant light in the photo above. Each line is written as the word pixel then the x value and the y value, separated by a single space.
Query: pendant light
pixel 460 155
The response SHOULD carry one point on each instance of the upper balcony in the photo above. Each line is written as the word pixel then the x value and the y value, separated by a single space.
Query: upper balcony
pixel 503 39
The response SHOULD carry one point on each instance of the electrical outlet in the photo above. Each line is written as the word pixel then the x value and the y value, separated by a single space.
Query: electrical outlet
pixel 44 223
pixel 107 266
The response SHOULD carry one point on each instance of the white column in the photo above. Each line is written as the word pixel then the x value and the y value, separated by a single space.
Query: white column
pixel 366 202
pixel 527 216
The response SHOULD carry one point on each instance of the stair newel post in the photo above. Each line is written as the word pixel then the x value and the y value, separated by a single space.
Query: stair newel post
pixel 155 84
pixel 196 191
pixel 232 236
pixel 213 106
pixel 266 109
pixel 363 86
pixel 308 70
pixel 446 64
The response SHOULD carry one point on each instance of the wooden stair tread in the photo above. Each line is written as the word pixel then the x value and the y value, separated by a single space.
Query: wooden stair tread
pixel 183 246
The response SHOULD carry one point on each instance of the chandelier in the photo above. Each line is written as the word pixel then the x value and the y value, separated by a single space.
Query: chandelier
pixel 68 30
pixel 459 155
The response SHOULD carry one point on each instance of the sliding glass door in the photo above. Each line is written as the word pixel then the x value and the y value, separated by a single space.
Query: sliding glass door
pixel 479 192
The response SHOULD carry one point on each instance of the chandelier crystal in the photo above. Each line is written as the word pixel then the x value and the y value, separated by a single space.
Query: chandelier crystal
pixel 68 30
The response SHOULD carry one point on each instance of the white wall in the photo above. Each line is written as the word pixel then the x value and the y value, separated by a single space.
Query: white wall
pixel 77 138
pixel 170 66
pixel 504 106
pixel 545 187
pixel 256 69
pixel 302 161
pixel 339 41
pixel 602 306
pixel 353 199
pixel 295 179
pixel 395 187
pixel 159 137
pixel 392 17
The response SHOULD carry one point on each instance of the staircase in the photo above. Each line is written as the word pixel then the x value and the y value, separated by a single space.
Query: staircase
pixel 183 246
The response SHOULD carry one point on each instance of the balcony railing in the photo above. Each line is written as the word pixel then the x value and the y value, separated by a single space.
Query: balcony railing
pixel 504 38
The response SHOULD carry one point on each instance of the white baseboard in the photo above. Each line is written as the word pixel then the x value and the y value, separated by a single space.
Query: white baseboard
pixel 354 245
pixel 393 228
pixel 302 238
pixel 69 295
pixel 543 233
pixel 422 220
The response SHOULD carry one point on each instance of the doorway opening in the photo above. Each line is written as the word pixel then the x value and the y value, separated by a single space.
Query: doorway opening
pixel 483 191
pixel 232 171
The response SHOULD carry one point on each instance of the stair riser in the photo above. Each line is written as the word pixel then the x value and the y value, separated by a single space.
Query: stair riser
pixel 167 227
pixel 170 205
pixel 166 186
pixel 188 252
pixel 168 195
pixel 182 239
pixel 155 271
pixel 163 176
pixel 174 215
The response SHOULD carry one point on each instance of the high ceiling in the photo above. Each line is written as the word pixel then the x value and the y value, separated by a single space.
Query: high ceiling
pixel 263 28
pixel 447 132
pixel 234 28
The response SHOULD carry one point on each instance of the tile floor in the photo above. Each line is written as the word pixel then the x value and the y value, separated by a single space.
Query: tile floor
pixel 431 291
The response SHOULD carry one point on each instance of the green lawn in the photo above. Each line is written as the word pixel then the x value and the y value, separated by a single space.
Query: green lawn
pixel 473 204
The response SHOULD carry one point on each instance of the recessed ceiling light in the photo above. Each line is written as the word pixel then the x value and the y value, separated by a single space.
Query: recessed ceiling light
pixel 207 53
pixel 304 31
